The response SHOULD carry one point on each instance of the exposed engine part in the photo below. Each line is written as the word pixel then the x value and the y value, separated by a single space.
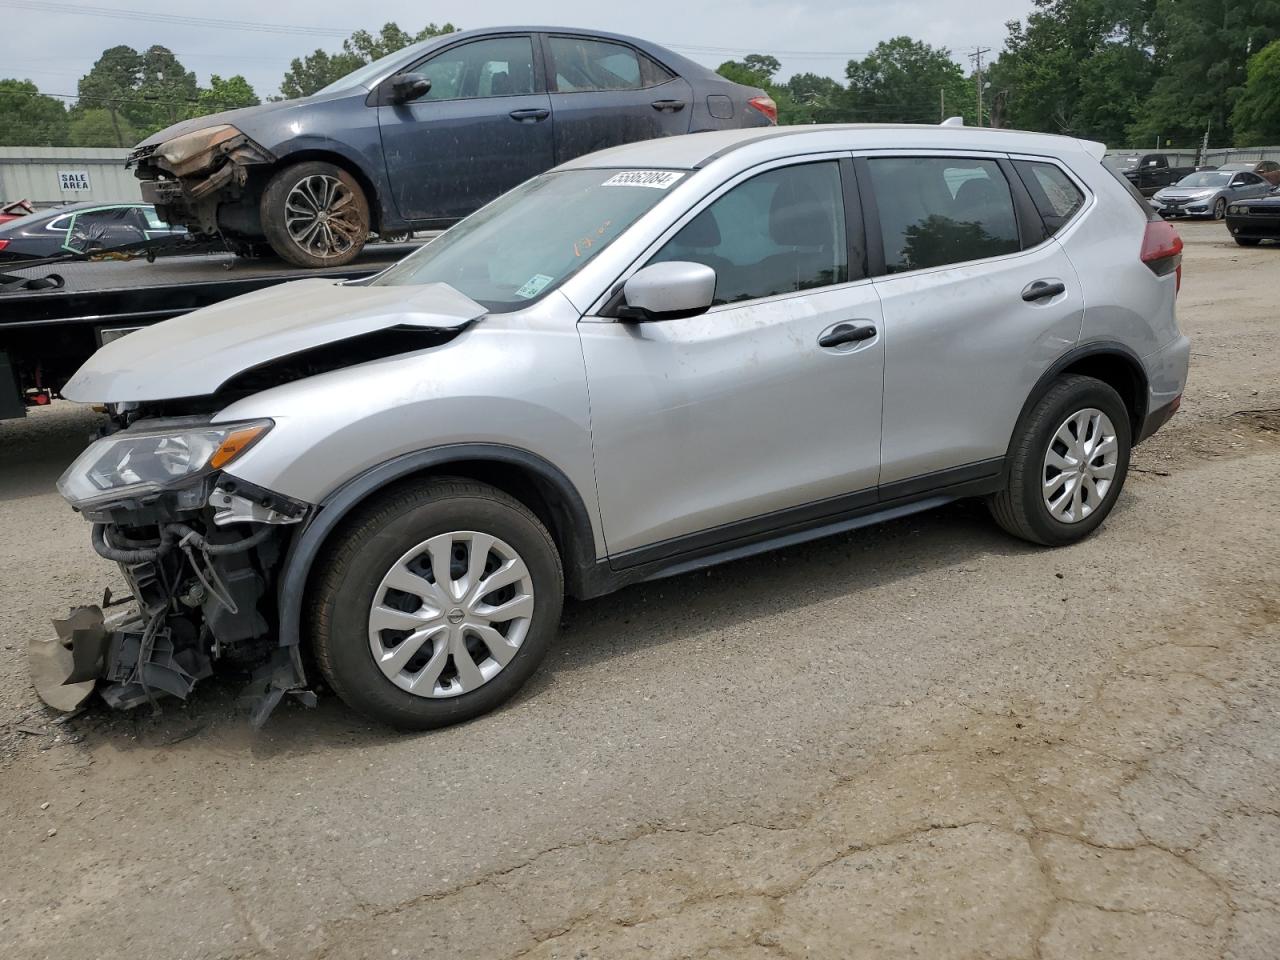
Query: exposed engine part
pixel 235 502
pixel 200 594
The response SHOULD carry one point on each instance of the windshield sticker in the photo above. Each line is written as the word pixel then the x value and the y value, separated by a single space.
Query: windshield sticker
pixel 658 179
pixel 533 286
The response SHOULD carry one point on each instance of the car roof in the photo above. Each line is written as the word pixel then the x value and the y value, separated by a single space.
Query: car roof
pixel 759 144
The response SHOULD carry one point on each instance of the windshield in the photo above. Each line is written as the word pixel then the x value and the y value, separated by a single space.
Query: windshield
pixel 367 75
pixel 1206 178
pixel 529 241
pixel 1120 164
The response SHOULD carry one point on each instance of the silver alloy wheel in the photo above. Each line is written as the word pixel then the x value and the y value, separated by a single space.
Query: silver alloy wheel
pixel 1080 465
pixel 450 614
pixel 320 215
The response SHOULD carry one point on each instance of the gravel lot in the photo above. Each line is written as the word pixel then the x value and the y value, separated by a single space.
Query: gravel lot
pixel 923 740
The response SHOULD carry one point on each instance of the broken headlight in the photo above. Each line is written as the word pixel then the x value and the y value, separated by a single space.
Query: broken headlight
pixel 180 150
pixel 136 463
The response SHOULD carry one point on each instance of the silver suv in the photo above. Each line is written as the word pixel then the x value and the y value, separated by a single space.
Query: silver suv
pixel 649 360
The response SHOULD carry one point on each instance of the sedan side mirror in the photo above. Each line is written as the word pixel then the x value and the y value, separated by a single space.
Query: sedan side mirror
pixel 409 86
pixel 668 291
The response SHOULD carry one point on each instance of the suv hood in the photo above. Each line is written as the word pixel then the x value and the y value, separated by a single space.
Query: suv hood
pixel 195 354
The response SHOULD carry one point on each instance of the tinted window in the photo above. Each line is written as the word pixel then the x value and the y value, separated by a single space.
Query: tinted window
pixel 940 210
pixel 500 67
pixel 1248 179
pixel 1055 196
pixel 778 232
pixel 594 65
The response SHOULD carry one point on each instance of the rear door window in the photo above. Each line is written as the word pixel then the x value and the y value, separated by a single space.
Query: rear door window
pixel 936 211
pixel 582 64
pixel 780 232
pixel 1054 193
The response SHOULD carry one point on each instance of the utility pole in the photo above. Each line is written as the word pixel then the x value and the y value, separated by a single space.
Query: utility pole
pixel 976 57
pixel 942 104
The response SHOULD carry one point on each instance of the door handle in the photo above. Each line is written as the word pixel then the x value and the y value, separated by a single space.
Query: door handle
pixel 1043 290
pixel 843 333
pixel 531 115
pixel 670 106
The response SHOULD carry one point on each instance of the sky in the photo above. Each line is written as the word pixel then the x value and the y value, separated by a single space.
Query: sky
pixel 54 42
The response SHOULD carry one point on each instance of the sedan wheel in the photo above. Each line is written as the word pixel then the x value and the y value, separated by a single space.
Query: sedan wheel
pixel 1220 209
pixel 314 214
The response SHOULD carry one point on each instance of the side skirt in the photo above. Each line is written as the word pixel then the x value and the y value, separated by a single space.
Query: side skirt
pixel 794 525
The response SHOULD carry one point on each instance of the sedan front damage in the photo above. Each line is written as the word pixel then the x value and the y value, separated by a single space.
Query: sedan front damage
pixel 190 176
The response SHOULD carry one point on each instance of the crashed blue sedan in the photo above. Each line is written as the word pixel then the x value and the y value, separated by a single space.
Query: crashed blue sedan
pixel 425 136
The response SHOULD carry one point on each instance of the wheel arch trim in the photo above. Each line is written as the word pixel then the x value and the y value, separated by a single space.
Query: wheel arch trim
pixel 576 529
pixel 1102 349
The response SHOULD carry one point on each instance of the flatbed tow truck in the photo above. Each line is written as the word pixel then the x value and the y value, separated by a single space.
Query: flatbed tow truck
pixel 55 313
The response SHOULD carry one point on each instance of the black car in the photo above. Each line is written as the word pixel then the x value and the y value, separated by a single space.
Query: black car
pixel 1252 221
pixel 82 228
pixel 425 136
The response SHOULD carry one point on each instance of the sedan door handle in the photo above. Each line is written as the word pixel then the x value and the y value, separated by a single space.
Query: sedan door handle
pixel 531 115
pixel 1043 290
pixel 843 333
pixel 673 106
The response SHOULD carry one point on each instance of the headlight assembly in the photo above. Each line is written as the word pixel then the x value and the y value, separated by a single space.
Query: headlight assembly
pixel 136 463
pixel 179 151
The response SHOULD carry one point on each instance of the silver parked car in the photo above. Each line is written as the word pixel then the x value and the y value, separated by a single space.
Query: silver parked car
pixel 1207 193
pixel 649 360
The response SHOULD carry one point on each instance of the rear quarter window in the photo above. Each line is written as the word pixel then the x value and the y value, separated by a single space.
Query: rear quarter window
pixel 1055 195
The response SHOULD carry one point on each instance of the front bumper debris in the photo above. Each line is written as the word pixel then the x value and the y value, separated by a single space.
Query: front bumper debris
pixel 189 193
pixel 202 580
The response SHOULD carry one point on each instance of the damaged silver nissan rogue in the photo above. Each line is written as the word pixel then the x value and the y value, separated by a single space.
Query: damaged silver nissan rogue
pixel 649 360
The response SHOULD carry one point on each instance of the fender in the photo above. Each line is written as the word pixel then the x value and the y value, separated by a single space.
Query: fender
pixel 574 522
pixel 1085 351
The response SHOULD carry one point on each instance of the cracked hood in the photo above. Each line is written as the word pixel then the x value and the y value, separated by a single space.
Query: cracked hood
pixel 193 355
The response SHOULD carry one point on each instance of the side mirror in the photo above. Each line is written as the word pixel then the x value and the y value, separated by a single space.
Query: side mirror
pixel 409 86
pixel 668 291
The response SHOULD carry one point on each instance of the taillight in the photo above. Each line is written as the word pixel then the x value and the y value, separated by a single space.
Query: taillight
pixel 3 244
pixel 1162 250
pixel 766 106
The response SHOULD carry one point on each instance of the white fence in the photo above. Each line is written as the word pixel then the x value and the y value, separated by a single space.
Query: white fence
pixel 51 175
pixel 1217 157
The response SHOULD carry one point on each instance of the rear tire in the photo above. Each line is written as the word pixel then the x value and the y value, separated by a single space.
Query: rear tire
pixel 1038 457
pixel 377 590
pixel 315 214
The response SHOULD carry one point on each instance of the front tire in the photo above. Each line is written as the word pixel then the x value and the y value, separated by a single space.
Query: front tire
pixel 315 214
pixel 1248 241
pixel 436 603
pixel 1067 463
pixel 1220 209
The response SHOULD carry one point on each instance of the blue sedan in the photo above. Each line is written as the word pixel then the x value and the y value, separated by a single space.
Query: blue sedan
pixel 425 136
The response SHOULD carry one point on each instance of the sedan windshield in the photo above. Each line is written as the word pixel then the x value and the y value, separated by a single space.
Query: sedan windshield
pixel 530 240
pixel 370 73
pixel 1206 178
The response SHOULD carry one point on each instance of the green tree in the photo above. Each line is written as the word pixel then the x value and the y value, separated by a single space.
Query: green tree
pixel 98 127
pixel 1256 117
pixel 226 95
pixel 166 91
pixel 1079 67
pixel 318 69
pixel 813 98
pixel 28 118
pixel 1202 47
pixel 905 81
pixel 110 85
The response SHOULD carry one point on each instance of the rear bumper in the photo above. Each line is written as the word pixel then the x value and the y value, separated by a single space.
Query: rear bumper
pixel 1166 380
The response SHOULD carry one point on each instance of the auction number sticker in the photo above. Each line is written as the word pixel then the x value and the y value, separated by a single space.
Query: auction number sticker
pixel 533 286
pixel 658 179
